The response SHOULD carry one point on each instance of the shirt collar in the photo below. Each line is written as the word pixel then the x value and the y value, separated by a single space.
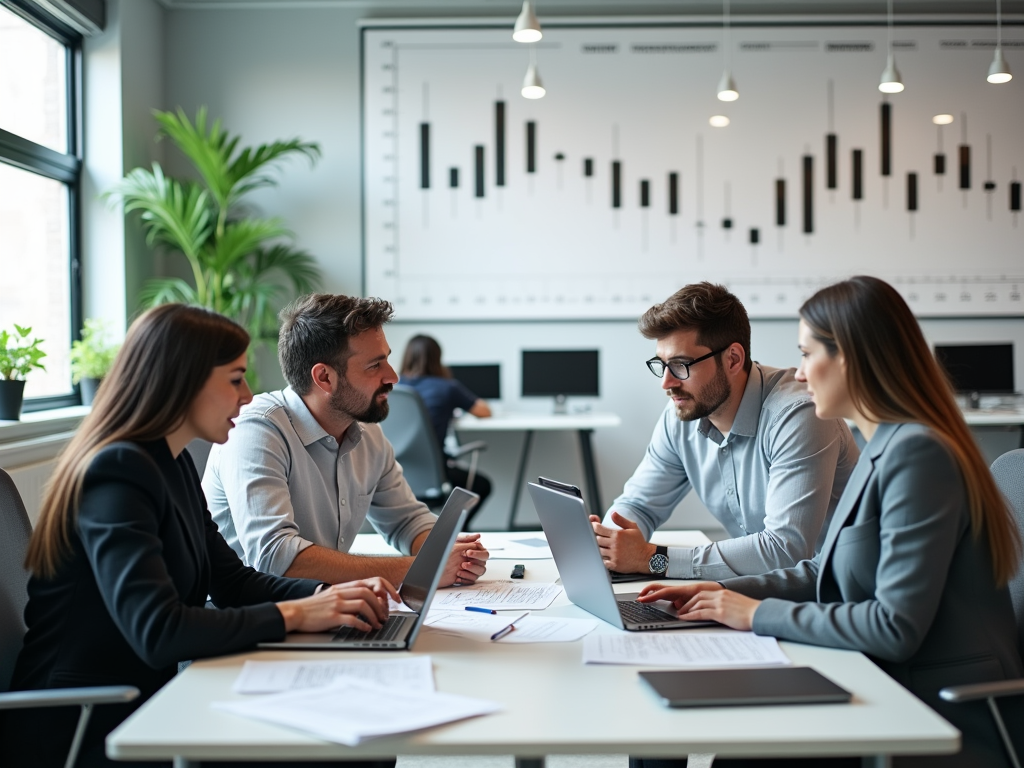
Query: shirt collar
pixel 748 415
pixel 307 427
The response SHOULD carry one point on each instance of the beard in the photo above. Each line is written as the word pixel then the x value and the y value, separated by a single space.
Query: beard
pixel 349 402
pixel 704 402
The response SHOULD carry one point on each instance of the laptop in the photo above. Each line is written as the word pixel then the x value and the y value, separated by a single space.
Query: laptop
pixel 587 583
pixel 400 630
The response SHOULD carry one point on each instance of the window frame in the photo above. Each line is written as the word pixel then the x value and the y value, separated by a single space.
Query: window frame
pixel 64 167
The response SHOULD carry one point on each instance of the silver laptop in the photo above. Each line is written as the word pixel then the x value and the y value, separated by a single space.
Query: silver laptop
pixel 584 576
pixel 400 630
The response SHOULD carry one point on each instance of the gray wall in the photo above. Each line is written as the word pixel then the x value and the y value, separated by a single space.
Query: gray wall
pixel 272 74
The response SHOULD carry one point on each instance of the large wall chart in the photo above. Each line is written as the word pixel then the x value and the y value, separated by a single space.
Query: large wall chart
pixel 613 190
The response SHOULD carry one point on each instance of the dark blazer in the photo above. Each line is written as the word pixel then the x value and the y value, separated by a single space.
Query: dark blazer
pixel 902 577
pixel 130 601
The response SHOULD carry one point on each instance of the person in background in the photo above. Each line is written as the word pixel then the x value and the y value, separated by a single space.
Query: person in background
pixel 916 561
pixel 125 552
pixel 423 370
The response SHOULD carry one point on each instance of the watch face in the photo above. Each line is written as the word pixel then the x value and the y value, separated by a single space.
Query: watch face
pixel 658 563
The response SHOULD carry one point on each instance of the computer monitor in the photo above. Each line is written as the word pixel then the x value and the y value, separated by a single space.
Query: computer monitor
pixel 559 373
pixel 484 381
pixel 982 368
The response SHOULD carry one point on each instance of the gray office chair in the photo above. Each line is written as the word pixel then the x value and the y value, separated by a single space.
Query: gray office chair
pixel 410 432
pixel 14 534
pixel 1008 471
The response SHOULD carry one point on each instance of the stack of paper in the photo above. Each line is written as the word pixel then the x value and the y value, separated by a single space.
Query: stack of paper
pixel 498 594
pixel 350 711
pixel 684 648
pixel 413 672
pixel 532 629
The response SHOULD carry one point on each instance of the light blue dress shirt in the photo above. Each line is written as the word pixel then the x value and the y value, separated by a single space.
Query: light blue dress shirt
pixel 773 483
pixel 281 484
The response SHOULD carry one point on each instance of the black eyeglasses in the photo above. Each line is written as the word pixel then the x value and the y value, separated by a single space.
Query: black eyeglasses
pixel 677 368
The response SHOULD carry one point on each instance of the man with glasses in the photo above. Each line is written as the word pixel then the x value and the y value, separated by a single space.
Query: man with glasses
pixel 742 435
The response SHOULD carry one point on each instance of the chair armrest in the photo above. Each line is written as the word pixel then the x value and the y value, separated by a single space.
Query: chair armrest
pixel 64 697
pixel 462 450
pixel 960 693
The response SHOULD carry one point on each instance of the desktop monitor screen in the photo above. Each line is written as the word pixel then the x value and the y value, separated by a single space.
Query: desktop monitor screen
pixel 484 381
pixel 978 367
pixel 555 372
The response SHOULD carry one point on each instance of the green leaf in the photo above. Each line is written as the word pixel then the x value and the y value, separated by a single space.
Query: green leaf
pixel 164 290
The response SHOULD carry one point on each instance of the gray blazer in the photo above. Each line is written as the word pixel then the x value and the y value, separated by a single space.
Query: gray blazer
pixel 902 578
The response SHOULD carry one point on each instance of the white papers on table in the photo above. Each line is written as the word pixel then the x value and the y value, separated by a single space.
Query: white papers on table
pixel 684 649
pixel 350 711
pixel 531 546
pixel 498 594
pixel 411 673
pixel 532 629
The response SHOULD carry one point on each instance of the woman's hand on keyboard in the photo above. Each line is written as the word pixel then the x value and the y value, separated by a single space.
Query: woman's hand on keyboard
pixel 361 604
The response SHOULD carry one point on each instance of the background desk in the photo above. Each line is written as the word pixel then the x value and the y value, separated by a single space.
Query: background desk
pixel 551 704
pixel 582 423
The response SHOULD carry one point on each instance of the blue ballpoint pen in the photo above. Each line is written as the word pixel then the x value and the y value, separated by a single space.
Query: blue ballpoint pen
pixel 480 610
pixel 512 625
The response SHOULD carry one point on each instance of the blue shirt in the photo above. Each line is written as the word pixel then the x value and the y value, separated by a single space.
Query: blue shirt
pixel 773 483
pixel 441 396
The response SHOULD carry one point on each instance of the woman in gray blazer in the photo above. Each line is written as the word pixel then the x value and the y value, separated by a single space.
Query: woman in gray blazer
pixel 914 567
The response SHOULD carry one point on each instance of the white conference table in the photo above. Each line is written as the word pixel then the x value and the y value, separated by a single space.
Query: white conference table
pixel 582 423
pixel 551 704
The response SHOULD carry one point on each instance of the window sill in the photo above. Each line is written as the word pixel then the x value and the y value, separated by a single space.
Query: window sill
pixel 39 436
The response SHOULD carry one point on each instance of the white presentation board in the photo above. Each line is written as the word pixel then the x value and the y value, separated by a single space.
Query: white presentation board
pixel 614 190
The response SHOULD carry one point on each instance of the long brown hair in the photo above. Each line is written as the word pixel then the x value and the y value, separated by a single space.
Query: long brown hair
pixel 423 358
pixel 165 361
pixel 893 376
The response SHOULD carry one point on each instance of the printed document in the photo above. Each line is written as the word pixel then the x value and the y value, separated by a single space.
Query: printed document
pixel 690 650
pixel 412 673
pixel 531 546
pixel 350 711
pixel 532 629
pixel 498 594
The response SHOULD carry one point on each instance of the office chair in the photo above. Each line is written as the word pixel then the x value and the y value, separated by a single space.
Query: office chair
pixel 1008 471
pixel 410 432
pixel 16 530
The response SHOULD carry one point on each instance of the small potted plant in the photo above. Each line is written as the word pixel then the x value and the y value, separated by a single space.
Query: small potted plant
pixel 91 358
pixel 18 357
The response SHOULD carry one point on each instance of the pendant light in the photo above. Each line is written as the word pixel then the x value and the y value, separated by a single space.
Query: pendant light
pixel 532 86
pixel 726 86
pixel 527 28
pixel 999 70
pixel 891 81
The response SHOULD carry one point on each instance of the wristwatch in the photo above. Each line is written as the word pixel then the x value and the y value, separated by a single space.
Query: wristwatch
pixel 658 563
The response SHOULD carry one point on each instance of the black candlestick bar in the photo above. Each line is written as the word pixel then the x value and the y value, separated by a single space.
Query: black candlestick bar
pixel 673 193
pixel 479 164
pixel 453 178
pixel 645 193
pixel 588 166
pixel 780 202
pixel 940 164
pixel 808 194
pixel 531 147
pixel 755 236
pixel 616 184
pixel 965 166
pixel 857 161
pixel 499 143
pixel 831 165
pixel 911 191
pixel 424 155
pixel 886 138
pixel 1014 195
pixel 726 223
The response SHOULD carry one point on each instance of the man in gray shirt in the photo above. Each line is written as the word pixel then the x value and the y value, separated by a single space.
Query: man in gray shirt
pixel 305 466
pixel 742 435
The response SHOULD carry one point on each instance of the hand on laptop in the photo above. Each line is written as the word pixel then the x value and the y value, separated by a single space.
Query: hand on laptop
pixel 362 604
pixel 467 562
pixel 702 600
pixel 623 549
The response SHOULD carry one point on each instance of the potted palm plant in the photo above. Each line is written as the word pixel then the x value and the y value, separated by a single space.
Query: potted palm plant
pixel 18 357
pixel 243 266
pixel 91 358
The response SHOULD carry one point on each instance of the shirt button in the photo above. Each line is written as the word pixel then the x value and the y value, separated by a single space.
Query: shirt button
pixel 343 502
pixel 729 492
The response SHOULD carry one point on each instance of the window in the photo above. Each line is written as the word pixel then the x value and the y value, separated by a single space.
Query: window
pixel 39 177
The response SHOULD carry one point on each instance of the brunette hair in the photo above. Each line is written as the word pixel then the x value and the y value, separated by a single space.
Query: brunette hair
pixel 893 376
pixel 316 328
pixel 165 361
pixel 423 358
pixel 717 315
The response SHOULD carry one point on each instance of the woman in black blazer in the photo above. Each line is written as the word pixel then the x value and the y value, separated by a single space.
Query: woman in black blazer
pixel 125 552
pixel 914 568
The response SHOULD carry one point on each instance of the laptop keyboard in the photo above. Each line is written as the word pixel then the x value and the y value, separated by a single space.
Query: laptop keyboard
pixel 641 613
pixel 388 631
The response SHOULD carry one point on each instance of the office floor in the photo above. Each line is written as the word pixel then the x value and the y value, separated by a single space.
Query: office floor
pixel 554 761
